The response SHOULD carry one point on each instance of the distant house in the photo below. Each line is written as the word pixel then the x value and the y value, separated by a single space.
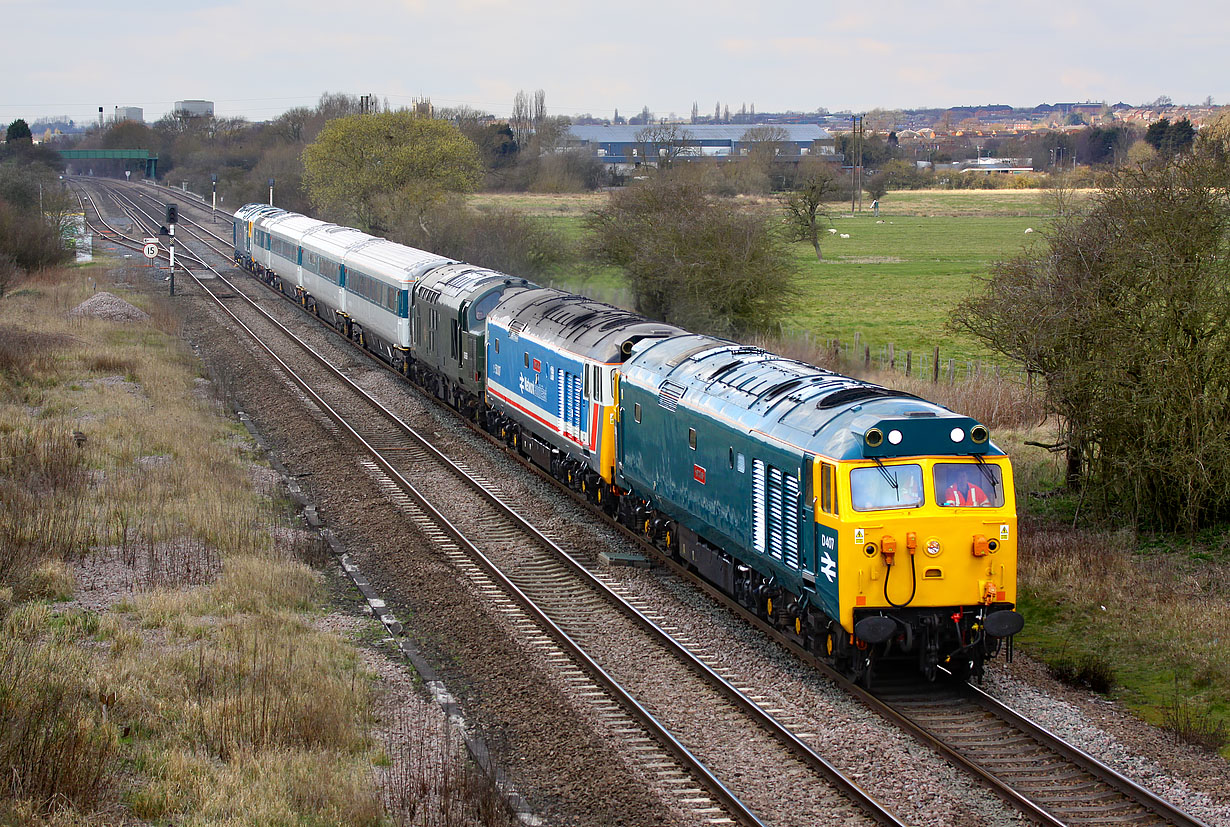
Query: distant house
pixel 618 144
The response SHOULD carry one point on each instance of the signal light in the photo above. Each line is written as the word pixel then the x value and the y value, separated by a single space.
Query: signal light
pixel 172 214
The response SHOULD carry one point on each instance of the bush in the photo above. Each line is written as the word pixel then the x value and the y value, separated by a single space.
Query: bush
pixel 1084 672
pixel 692 260
pixel 1122 313
pixel 502 239
pixel 27 242
pixel 1195 726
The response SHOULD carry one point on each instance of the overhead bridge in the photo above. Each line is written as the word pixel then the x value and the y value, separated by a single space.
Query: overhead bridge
pixel 143 155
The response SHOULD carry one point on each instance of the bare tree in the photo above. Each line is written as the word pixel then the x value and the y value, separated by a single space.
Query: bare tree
pixel 815 183
pixel 521 120
pixel 664 141
pixel 540 106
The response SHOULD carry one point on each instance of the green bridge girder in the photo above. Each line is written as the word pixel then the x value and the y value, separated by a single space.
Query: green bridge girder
pixel 151 161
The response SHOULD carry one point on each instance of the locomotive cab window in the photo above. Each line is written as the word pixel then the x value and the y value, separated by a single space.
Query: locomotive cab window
pixel 884 487
pixel 828 488
pixel 692 438
pixel 969 485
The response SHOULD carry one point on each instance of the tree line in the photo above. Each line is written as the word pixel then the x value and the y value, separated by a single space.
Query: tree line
pixel 1124 314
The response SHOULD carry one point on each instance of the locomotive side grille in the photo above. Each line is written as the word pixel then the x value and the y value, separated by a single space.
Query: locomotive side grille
pixel 790 524
pixel 775 513
pixel 758 506
pixel 577 406
pixel 774 495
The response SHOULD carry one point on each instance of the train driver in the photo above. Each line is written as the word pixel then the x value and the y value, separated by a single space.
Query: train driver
pixel 960 484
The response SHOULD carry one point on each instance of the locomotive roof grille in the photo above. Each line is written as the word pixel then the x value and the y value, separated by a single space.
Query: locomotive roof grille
pixel 724 369
pixel 854 394
pixel 680 358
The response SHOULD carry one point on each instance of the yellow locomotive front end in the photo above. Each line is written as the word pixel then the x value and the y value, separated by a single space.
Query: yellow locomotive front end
pixel 927 554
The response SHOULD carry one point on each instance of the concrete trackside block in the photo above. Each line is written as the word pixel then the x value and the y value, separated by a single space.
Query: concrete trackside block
pixel 624 558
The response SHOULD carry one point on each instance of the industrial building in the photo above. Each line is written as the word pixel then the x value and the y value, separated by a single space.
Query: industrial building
pixel 194 108
pixel 620 144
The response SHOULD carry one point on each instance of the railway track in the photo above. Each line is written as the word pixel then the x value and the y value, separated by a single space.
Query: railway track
pixel 1048 780
pixel 723 752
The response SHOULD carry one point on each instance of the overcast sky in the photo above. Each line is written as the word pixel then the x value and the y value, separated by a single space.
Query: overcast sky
pixel 257 59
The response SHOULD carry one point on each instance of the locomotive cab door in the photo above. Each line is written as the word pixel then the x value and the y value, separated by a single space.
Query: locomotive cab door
pixel 807 519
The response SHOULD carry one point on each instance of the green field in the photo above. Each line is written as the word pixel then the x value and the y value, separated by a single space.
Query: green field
pixel 897 281
pixel 893 281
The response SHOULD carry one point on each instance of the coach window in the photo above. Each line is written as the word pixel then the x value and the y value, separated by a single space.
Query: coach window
pixel 527 358
pixel 692 438
pixel 732 458
pixel 497 345
pixel 636 411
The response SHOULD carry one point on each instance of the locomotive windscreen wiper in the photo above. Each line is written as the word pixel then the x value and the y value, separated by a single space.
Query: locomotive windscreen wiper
pixel 986 472
pixel 892 478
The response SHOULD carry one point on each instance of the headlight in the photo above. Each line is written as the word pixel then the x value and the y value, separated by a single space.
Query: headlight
pixel 933 548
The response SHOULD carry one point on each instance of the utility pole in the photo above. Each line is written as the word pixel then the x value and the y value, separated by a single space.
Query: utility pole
pixel 271 192
pixel 213 216
pixel 856 162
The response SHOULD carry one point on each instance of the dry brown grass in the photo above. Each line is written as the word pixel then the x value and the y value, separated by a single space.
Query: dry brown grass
pixel 1154 610
pixel 997 401
pixel 56 747
pixel 236 710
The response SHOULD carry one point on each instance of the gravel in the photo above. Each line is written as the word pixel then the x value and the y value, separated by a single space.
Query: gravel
pixel 104 305
pixel 1188 777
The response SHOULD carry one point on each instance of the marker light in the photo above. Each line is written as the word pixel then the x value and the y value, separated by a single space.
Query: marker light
pixel 894 437
pixel 956 434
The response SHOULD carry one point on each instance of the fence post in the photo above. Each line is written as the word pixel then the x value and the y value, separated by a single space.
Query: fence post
pixel 935 366
pixel 867 357
pixel 892 357
pixel 952 371
pixel 909 363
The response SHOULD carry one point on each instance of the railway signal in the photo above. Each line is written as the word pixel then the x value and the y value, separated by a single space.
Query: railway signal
pixel 172 217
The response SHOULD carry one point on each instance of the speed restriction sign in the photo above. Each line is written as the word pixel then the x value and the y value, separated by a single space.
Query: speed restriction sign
pixel 151 251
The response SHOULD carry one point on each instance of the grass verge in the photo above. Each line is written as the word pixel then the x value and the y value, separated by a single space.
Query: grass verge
pixel 160 652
